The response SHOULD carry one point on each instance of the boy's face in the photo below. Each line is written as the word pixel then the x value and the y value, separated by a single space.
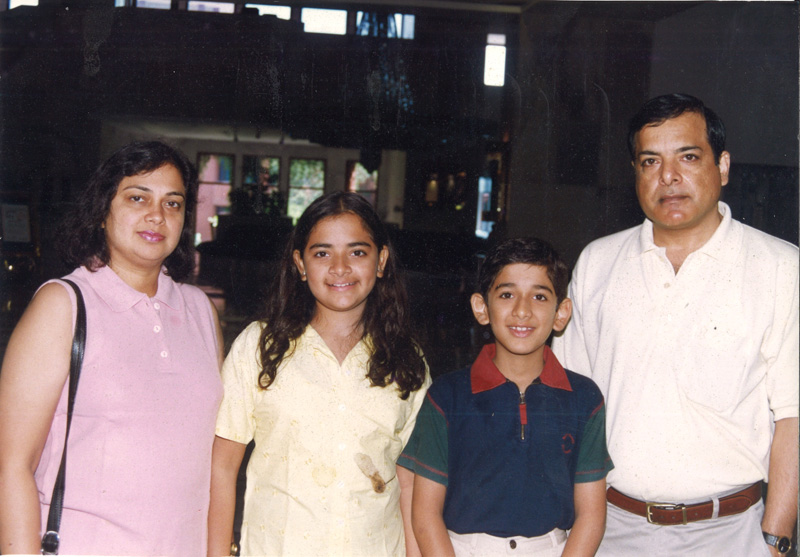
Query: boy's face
pixel 522 310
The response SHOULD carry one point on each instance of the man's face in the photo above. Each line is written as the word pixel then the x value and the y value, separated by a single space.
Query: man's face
pixel 677 181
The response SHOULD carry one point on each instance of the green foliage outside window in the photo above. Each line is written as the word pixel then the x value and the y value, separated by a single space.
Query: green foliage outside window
pixel 306 183
pixel 260 193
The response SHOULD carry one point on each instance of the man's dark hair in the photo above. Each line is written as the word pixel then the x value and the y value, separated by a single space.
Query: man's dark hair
pixel 528 251
pixel 663 108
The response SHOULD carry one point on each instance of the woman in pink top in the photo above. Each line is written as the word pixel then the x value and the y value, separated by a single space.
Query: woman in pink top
pixel 138 462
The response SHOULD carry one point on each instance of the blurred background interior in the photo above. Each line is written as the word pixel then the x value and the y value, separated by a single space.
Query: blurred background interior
pixel 462 121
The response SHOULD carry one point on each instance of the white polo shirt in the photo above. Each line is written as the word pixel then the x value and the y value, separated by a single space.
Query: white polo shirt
pixel 695 367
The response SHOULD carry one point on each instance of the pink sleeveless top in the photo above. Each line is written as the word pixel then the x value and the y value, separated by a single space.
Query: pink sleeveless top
pixel 139 458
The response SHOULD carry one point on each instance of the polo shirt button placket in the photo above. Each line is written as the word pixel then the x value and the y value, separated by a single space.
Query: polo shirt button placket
pixel 513 544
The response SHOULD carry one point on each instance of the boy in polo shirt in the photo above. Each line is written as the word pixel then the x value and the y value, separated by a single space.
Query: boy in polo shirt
pixel 511 453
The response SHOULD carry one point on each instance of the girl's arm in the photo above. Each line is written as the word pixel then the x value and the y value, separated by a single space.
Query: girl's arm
pixel 406 479
pixel 218 330
pixel 226 458
pixel 590 519
pixel 426 517
pixel 35 368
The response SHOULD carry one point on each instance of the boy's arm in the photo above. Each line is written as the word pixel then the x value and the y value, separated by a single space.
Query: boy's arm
pixel 590 519
pixel 406 479
pixel 426 517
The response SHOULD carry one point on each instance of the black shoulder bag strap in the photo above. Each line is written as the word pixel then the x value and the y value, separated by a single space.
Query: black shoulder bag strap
pixel 51 539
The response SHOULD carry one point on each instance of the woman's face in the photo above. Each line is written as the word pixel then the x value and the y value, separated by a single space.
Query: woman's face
pixel 145 221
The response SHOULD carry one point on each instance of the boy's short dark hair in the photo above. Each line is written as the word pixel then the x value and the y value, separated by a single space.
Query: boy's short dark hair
pixel 666 107
pixel 528 251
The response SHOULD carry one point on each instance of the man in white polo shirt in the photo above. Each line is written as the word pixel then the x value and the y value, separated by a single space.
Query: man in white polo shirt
pixel 688 323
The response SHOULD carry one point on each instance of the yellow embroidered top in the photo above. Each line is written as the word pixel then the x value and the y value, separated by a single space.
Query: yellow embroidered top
pixel 321 480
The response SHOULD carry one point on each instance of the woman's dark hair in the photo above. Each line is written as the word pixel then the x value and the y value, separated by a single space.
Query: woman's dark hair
pixel 395 357
pixel 666 107
pixel 85 239
pixel 529 251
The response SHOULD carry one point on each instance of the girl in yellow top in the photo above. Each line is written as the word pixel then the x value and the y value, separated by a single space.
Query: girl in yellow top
pixel 328 384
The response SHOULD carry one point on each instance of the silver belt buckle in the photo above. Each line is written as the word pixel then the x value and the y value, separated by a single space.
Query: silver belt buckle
pixel 664 507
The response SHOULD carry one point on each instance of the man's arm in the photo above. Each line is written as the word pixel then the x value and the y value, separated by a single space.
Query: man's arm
pixel 590 519
pixel 781 508
pixel 426 517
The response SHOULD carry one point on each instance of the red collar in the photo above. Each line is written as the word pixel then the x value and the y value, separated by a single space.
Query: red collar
pixel 485 376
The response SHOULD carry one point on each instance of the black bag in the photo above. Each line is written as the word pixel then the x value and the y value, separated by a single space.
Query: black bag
pixel 50 540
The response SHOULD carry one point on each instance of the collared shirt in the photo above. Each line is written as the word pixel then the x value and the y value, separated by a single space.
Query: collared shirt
pixel 509 459
pixel 695 366
pixel 320 430
pixel 139 461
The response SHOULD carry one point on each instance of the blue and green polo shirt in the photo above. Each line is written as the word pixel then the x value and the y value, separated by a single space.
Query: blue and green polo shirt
pixel 509 460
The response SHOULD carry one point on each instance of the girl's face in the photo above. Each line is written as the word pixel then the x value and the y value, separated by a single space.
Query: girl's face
pixel 341 264
pixel 145 220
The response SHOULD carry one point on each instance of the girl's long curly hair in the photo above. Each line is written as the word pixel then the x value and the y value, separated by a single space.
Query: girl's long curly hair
pixel 395 356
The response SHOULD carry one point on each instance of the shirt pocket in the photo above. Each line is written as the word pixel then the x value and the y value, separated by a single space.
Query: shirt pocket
pixel 714 368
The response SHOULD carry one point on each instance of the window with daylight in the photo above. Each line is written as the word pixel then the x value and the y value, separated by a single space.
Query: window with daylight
pixel 319 20
pixel 494 69
pixel 281 12
pixel 390 26
pixel 154 4
pixel 261 178
pixel 215 172
pixel 215 7
pixel 362 181
pixel 306 183
pixel 17 3
pixel 484 220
